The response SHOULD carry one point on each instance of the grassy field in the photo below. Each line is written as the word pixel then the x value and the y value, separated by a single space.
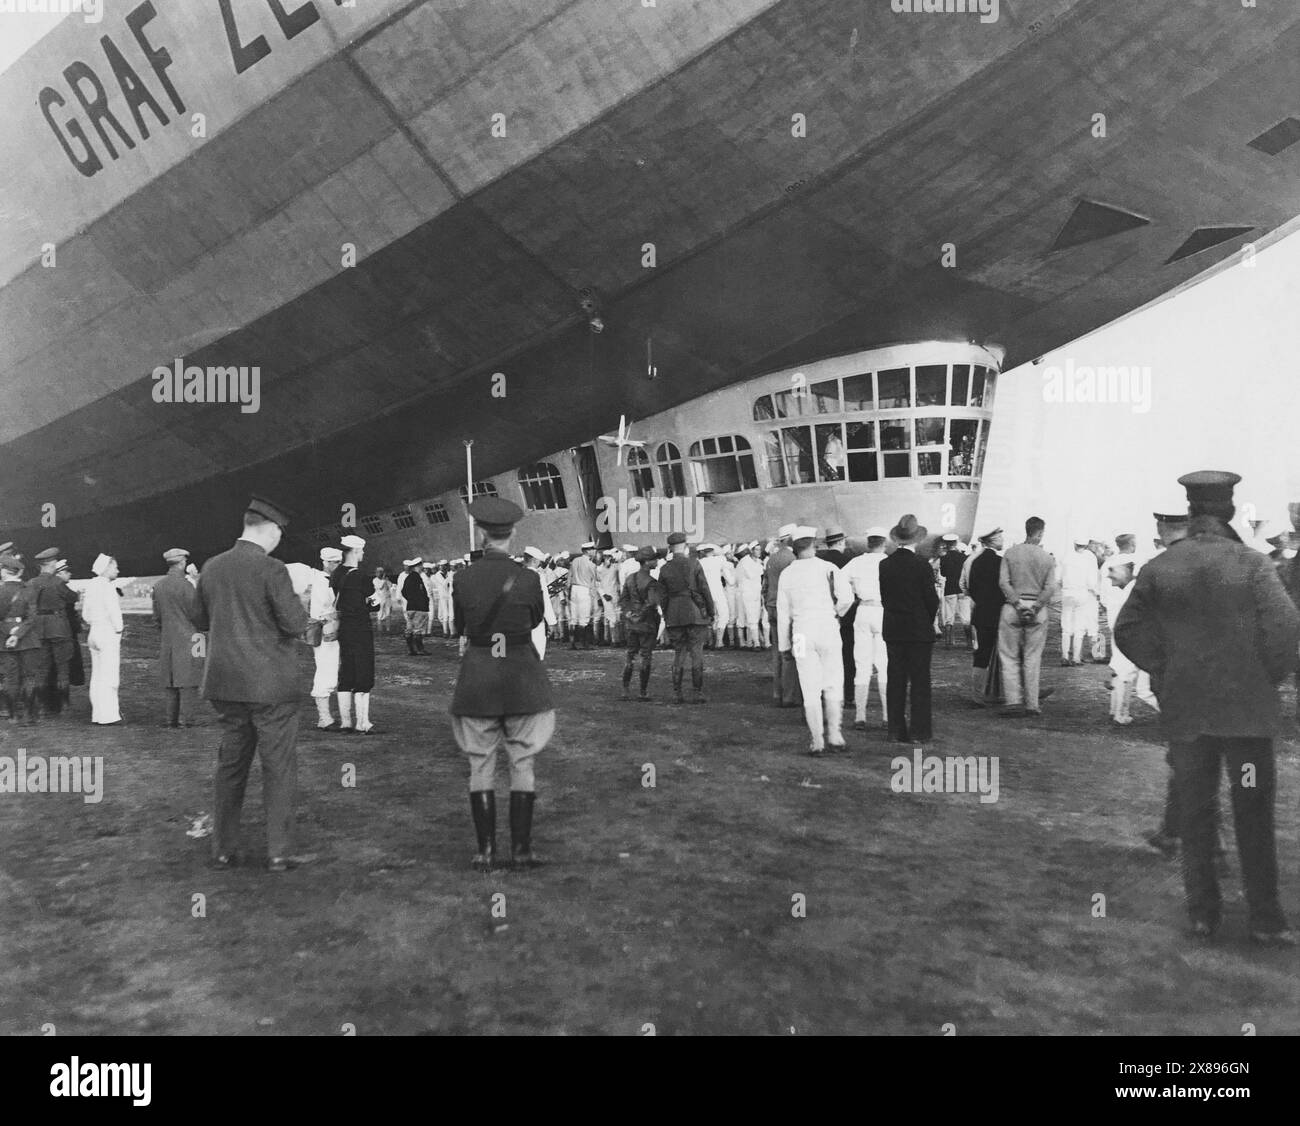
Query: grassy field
pixel 669 906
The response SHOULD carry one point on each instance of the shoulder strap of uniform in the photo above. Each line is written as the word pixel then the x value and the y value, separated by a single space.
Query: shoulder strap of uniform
pixel 495 608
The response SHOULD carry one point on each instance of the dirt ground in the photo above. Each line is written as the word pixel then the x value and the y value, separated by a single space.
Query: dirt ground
pixel 669 906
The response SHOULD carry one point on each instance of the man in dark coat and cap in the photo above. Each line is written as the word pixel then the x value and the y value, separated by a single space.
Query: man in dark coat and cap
pixel 688 611
pixel 1211 622
pixel 181 644
pixel 503 695
pixel 253 619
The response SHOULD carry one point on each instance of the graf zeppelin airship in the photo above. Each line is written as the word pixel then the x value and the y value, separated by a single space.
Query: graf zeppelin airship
pixel 316 249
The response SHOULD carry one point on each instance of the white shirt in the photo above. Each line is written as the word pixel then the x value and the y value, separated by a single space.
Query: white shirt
pixel 749 572
pixel 1079 573
pixel 626 570
pixel 715 572
pixel 803 599
pixel 863 575
pixel 100 605
pixel 320 603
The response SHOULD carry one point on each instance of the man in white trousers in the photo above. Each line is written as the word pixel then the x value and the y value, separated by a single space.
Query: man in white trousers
pixel 101 609
pixel 1079 590
pixel 863 575
pixel 811 595
pixel 320 606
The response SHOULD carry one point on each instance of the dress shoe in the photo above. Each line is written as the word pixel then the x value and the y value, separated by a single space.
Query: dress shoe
pixel 333 725
pixel 859 725
pixel 225 860
pixel 837 748
pixel 1012 711
pixel 285 863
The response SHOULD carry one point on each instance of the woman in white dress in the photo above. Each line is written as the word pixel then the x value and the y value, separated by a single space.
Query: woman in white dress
pixel 101 609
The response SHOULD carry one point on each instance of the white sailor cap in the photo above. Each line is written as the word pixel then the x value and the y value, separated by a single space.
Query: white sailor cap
pixel 588 544
pixel 100 565
pixel 629 547
pixel 331 555
pixel 442 562
pixel 61 565
pixel 351 542
pixel 534 553
pixel 786 531
pixel 804 532
pixel 876 532
pixel 412 562
pixel 702 548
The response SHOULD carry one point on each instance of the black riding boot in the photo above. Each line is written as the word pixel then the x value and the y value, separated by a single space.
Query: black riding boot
pixel 33 707
pixel 697 683
pixel 483 805
pixel 7 706
pixel 645 680
pixel 627 679
pixel 677 686
pixel 419 645
pixel 521 830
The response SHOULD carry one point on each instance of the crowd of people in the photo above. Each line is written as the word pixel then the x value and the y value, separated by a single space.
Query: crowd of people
pixel 1204 631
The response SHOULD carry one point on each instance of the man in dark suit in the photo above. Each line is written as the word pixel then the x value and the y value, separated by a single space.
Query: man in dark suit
pixel 253 618
pixel 910 603
pixel 180 656
pixel 688 612
pixel 503 695
pixel 985 591
pixel 1213 625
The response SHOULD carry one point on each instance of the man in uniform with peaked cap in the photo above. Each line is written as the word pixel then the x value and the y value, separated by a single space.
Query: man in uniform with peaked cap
pixel 1211 622
pixel 21 658
pixel 181 642
pixel 688 611
pixel 253 619
pixel 503 697
pixel 50 598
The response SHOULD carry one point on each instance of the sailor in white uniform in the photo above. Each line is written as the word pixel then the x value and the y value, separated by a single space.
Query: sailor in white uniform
pixel 101 609
pixel 533 559
pixel 811 595
pixel 320 608
pixel 863 574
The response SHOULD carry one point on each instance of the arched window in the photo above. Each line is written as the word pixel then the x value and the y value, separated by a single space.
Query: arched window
pixel 541 486
pixel 481 489
pixel 671 471
pixel 640 473
pixel 723 465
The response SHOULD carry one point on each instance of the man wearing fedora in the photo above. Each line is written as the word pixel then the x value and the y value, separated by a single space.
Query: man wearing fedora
pixel 1028 581
pixel 1212 624
pixel 253 620
pixel 910 602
